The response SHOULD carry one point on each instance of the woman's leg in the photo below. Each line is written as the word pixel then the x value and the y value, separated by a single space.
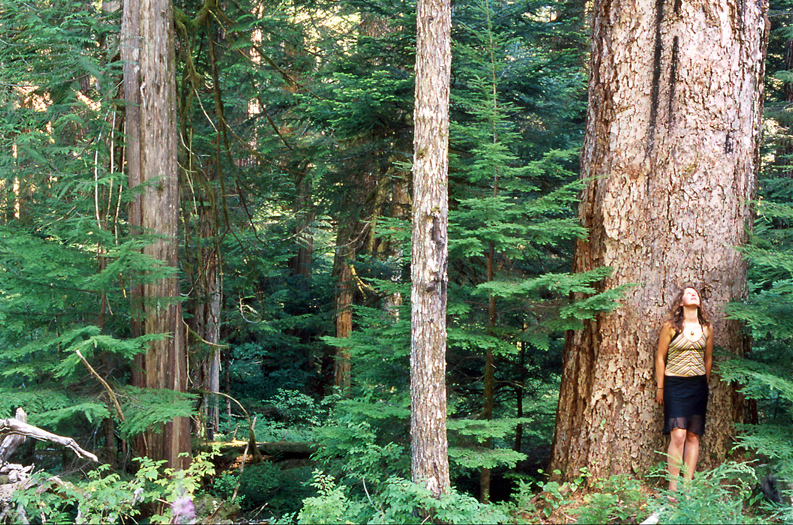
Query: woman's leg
pixel 674 456
pixel 691 454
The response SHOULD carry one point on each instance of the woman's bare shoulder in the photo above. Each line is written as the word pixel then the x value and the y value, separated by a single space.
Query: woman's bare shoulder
pixel 668 328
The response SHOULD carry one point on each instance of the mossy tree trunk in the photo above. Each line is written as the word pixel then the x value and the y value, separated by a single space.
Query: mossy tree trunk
pixel 670 159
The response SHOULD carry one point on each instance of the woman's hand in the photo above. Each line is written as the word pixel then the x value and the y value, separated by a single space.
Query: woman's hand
pixel 659 396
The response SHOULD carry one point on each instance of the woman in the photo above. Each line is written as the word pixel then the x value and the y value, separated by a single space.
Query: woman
pixel 682 369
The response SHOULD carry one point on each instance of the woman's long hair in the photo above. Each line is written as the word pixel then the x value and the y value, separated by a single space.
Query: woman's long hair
pixel 676 314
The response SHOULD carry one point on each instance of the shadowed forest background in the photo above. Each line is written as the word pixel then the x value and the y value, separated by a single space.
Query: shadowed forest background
pixel 295 143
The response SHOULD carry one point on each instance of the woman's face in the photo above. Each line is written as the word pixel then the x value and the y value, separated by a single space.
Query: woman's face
pixel 690 298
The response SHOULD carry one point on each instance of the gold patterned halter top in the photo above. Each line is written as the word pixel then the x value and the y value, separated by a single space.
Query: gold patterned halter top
pixel 686 357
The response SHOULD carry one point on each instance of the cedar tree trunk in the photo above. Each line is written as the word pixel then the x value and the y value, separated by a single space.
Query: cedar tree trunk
pixel 165 362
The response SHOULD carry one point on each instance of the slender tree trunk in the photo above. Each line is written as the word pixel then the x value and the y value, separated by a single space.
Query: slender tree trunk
pixel 345 254
pixel 490 372
pixel 207 314
pixel 227 379
pixel 204 263
pixel 670 157
pixel 490 258
pixel 400 203
pixel 150 79
pixel 301 264
pixel 111 447
pixel 519 392
pixel 785 149
pixel 429 446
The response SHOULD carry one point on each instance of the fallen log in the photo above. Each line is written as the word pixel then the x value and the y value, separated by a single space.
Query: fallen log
pixel 277 449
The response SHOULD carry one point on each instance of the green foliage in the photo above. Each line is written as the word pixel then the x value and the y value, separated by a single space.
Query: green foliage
pixel 298 409
pixel 406 502
pixel 617 499
pixel 480 431
pixel 400 501
pixel 224 486
pixel 713 496
pixel 555 495
pixel 765 375
pixel 331 505
pixel 107 497
pixel 521 504
pixel 258 483
pixel 361 450
pixel 150 408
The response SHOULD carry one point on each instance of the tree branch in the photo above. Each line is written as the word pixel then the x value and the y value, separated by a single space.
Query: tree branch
pixel 13 426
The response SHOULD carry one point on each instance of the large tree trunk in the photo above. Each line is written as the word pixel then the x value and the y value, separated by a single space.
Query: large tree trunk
pixel 429 446
pixel 165 362
pixel 670 156
pixel 130 55
pixel 130 44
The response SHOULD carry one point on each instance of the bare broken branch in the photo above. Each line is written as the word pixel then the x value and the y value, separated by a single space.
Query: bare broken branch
pixel 14 426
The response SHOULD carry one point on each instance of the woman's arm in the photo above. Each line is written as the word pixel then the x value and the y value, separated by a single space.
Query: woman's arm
pixel 709 351
pixel 660 360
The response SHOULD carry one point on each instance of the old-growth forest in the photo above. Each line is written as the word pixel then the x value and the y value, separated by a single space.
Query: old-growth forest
pixel 206 212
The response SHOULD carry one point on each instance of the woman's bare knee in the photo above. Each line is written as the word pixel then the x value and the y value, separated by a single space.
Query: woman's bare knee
pixel 678 436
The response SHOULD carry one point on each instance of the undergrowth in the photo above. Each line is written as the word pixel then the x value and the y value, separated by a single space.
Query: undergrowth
pixel 727 494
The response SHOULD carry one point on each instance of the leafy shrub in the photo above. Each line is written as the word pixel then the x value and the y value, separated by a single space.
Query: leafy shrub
pixel 105 497
pixel 267 430
pixel 555 495
pixel 401 501
pixel 713 496
pixel 365 455
pixel 331 505
pixel 297 408
pixel 521 505
pixel 258 483
pixel 281 490
pixel 224 485
pixel 619 499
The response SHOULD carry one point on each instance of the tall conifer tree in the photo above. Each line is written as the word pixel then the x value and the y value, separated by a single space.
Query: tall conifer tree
pixel 430 463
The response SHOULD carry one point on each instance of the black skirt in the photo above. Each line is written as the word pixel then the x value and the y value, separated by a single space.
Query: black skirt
pixel 685 403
